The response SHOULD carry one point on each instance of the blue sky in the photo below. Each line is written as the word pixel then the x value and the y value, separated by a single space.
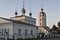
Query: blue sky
pixel 51 8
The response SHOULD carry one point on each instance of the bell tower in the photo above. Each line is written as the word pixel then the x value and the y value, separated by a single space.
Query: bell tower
pixel 42 19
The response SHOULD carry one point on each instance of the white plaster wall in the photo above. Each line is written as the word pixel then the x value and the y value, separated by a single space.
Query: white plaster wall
pixel 42 19
pixel 7 26
pixel 24 27
pixel 30 20
pixel 13 28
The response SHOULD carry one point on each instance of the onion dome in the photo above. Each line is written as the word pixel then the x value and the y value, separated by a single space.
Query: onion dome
pixel 23 10
pixel 16 14
pixel 42 12
pixel 30 14
pixel 42 9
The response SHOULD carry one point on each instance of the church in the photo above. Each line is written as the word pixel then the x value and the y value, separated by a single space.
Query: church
pixel 18 26
pixel 23 26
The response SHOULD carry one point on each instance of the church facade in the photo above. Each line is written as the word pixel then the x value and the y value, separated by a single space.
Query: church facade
pixel 19 26
pixel 23 26
pixel 19 29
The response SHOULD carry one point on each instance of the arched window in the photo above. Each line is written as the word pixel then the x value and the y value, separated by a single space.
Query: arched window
pixel 40 19
pixel 40 23
pixel 31 32
pixel 19 32
pixel 40 15
pixel 26 32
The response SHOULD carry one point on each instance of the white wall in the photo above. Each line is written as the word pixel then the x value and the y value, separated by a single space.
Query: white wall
pixel 7 26
pixel 23 27
pixel 13 28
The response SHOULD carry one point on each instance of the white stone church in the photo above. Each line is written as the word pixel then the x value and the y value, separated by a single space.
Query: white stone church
pixel 23 26
pixel 19 26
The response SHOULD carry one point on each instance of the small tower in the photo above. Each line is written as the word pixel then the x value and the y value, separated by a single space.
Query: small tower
pixel 30 14
pixel 23 9
pixel 42 19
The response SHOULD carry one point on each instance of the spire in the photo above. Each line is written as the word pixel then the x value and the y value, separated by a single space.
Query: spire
pixel 42 8
pixel 16 12
pixel 23 9
pixel 30 14
pixel 23 4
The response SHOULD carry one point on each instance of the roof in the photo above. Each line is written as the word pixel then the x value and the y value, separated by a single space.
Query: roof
pixel 5 19
pixel 18 22
pixel 46 28
pixel 42 12
pixel 25 16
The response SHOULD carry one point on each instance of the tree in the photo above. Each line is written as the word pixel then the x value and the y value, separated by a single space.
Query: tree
pixel 59 24
pixel 54 27
pixel 59 27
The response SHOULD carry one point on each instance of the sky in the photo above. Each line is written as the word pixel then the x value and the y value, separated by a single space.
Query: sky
pixel 51 8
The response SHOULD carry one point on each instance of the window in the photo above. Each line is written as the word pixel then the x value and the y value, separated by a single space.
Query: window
pixel 40 19
pixel 40 15
pixel 40 23
pixel 6 31
pixel 43 14
pixel 31 32
pixel 19 32
pixel 25 32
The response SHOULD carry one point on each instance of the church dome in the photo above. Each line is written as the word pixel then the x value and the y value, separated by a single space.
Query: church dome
pixel 16 13
pixel 30 14
pixel 23 10
pixel 42 12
